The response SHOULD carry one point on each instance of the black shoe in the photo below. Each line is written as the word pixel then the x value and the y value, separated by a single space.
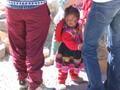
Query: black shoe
pixel 23 85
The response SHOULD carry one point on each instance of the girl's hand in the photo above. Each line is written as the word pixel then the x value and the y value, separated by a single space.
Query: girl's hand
pixel 80 46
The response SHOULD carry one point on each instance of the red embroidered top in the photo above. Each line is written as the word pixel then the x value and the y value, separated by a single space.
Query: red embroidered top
pixel 71 37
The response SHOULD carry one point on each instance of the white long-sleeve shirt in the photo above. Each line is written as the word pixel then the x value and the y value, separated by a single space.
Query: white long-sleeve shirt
pixel 101 1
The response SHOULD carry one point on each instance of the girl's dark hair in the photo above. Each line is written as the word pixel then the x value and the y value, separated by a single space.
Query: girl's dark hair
pixel 72 10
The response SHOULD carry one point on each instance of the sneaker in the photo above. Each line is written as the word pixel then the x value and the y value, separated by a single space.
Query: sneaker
pixel 23 85
pixel 75 78
pixel 61 87
pixel 78 80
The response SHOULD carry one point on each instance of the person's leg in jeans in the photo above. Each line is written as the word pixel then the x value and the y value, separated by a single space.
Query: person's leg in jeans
pixel 37 26
pixel 113 80
pixel 99 19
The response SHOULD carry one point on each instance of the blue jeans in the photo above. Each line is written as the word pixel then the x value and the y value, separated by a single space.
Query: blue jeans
pixel 102 15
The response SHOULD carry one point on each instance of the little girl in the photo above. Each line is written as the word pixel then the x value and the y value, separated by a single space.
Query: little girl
pixel 68 58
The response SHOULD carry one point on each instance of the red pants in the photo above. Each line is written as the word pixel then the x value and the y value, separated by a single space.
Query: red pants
pixel 27 31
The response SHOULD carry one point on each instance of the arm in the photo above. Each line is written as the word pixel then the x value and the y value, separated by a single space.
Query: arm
pixel 67 38
pixel 58 31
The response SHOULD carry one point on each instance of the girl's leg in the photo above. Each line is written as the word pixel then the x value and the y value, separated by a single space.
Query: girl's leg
pixel 62 72
pixel 75 67
pixel 74 73
pixel 62 76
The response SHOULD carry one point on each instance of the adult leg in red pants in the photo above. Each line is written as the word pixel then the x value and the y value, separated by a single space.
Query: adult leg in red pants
pixel 28 30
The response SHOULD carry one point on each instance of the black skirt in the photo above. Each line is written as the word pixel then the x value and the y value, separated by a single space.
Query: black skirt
pixel 65 51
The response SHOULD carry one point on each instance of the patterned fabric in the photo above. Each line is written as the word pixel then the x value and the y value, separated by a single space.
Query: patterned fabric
pixel 75 34
pixel 65 51
pixel 24 4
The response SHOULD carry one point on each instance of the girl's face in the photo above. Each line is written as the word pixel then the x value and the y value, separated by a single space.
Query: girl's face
pixel 71 20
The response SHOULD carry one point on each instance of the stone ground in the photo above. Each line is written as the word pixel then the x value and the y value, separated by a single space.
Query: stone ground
pixel 8 77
